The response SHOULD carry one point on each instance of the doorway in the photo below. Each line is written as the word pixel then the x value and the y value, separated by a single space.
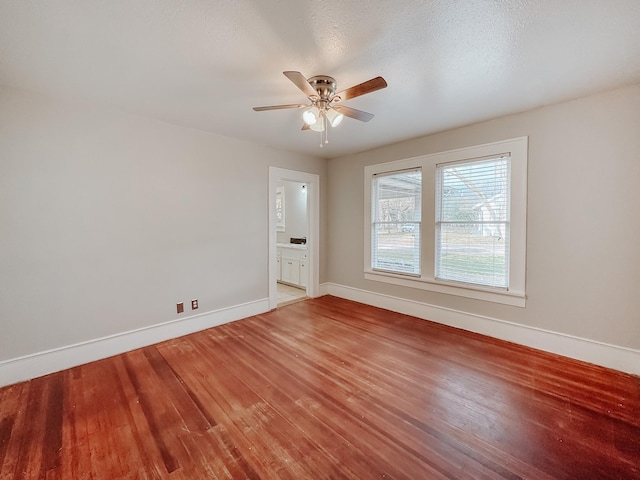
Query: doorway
pixel 301 257
pixel 292 230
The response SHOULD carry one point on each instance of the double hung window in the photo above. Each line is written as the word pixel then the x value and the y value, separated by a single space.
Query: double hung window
pixel 451 222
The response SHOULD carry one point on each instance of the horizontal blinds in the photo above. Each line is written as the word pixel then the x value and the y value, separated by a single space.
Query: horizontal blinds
pixel 472 222
pixel 396 217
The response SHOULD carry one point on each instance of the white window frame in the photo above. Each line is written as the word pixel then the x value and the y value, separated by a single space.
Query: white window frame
pixel 280 211
pixel 515 295
pixel 375 222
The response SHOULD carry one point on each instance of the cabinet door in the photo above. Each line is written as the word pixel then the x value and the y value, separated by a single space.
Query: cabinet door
pixel 286 269
pixel 304 275
pixel 291 270
pixel 278 267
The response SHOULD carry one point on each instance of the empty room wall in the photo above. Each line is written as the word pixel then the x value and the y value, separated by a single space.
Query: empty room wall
pixel 583 227
pixel 109 219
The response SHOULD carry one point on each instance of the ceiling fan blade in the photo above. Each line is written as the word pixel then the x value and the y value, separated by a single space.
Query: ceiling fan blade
pixel 362 89
pixel 305 126
pixel 279 107
pixel 353 113
pixel 300 81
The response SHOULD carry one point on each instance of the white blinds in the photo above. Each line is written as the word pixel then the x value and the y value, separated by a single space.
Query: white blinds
pixel 472 221
pixel 396 216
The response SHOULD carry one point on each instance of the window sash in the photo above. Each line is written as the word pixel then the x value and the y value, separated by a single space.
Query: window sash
pixel 396 207
pixel 472 225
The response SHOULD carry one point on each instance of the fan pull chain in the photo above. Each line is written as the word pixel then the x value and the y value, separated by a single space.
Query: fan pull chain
pixel 324 133
pixel 326 130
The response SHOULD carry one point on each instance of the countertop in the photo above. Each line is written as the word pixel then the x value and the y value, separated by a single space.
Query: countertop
pixel 295 246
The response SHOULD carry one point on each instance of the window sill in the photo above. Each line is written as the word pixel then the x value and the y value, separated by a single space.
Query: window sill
pixel 516 299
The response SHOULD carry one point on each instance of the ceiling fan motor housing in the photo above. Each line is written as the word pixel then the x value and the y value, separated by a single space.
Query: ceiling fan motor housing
pixel 325 86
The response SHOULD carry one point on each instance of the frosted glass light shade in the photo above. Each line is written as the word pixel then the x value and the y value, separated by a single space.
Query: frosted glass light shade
pixel 334 117
pixel 319 125
pixel 311 115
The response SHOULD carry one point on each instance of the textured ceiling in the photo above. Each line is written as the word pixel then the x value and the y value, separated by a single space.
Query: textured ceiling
pixel 205 64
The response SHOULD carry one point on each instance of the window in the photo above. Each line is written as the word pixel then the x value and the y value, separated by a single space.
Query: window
pixel 280 209
pixel 472 222
pixel 396 206
pixel 451 222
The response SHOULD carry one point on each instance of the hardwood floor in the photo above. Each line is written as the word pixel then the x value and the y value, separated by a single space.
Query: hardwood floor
pixel 324 389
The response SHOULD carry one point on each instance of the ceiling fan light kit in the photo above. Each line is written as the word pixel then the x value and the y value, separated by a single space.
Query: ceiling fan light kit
pixel 311 115
pixel 323 109
pixel 319 125
pixel 334 117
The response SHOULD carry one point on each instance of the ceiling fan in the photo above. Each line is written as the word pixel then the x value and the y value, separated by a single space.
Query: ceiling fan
pixel 324 109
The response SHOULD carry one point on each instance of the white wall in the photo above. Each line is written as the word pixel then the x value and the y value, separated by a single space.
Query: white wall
pixel 107 220
pixel 295 211
pixel 583 232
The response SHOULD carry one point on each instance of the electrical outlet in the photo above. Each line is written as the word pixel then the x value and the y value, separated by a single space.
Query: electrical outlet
pixel 180 307
pixel 194 304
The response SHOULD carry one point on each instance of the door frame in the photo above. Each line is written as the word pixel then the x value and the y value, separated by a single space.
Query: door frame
pixel 313 224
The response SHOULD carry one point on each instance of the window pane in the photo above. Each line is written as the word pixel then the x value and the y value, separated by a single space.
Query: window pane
pixel 472 225
pixel 396 209
pixel 468 255
pixel 476 191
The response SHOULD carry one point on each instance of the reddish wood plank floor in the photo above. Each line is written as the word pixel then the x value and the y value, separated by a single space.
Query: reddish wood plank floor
pixel 324 389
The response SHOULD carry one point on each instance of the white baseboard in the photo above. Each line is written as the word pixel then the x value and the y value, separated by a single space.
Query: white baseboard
pixel 35 365
pixel 603 354
pixel 324 289
pixel 30 366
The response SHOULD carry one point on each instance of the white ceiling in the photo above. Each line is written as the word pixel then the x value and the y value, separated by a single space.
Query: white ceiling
pixel 206 63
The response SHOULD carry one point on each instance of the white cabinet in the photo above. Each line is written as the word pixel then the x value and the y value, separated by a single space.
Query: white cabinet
pixel 292 265
pixel 304 274
pixel 290 270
